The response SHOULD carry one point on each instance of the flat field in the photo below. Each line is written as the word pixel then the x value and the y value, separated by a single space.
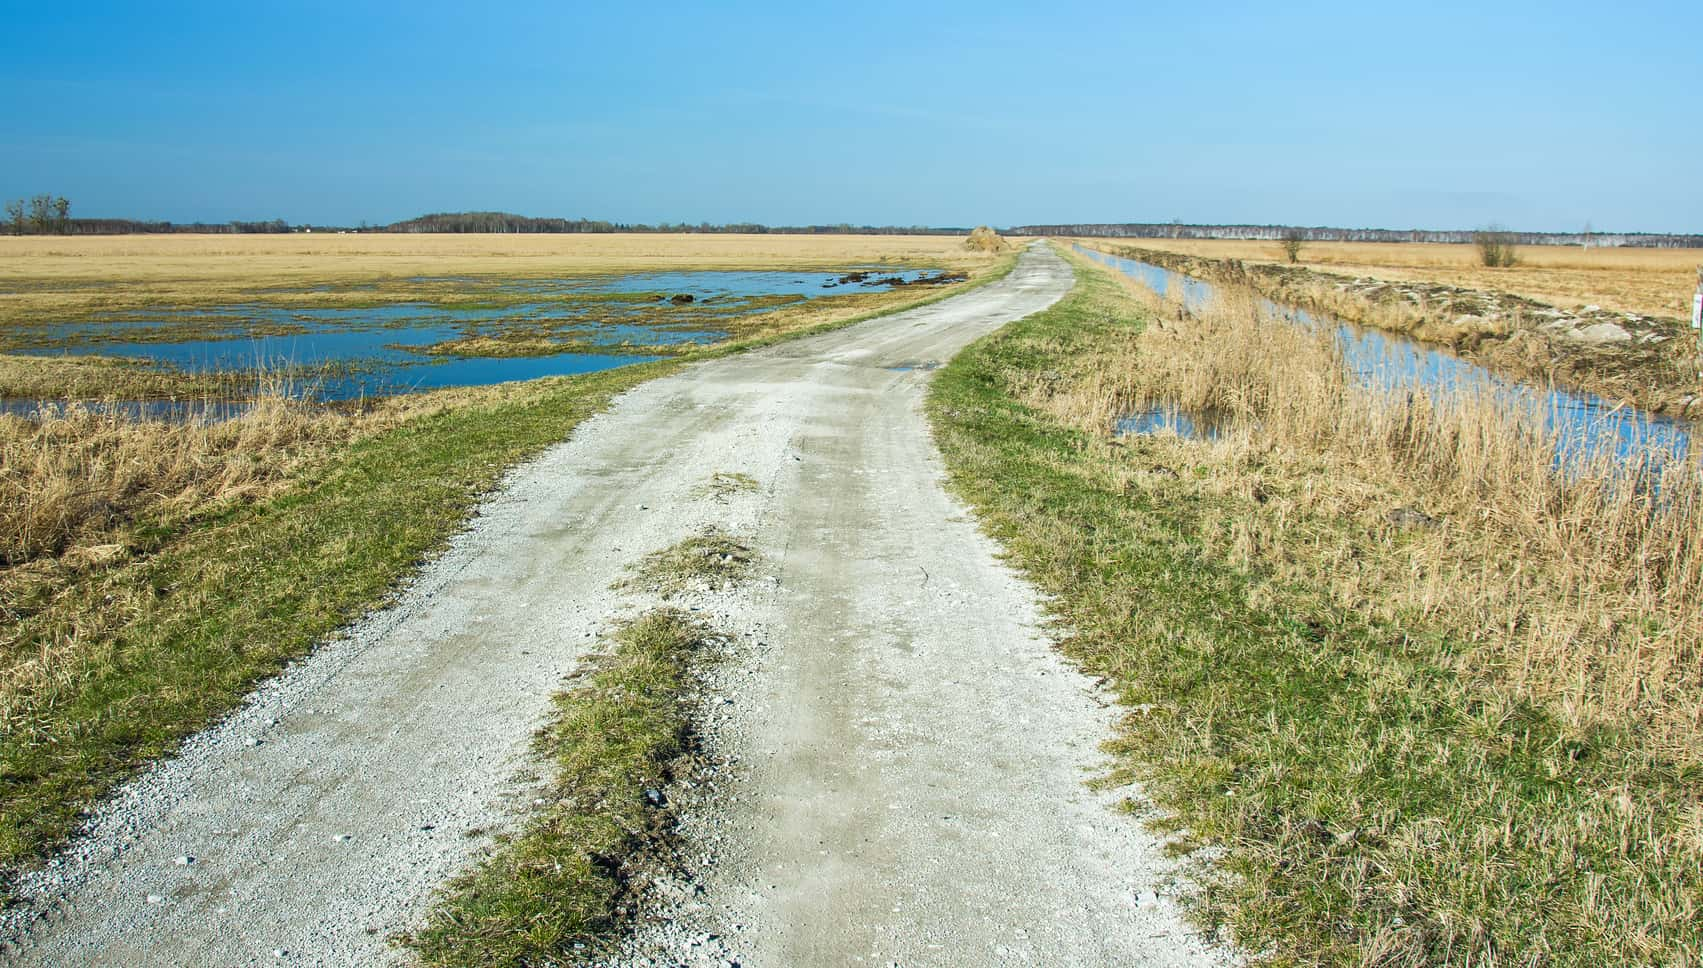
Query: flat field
pixel 501 293
pixel 1655 282
pixel 65 273
pixel 136 606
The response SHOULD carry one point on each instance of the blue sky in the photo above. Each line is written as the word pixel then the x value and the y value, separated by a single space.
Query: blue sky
pixel 1540 116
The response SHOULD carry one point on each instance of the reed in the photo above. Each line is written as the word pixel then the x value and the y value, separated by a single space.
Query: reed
pixel 1583 587
pixel 1419 715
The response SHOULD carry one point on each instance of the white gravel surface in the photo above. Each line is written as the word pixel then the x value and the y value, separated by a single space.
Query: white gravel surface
pixel 905 753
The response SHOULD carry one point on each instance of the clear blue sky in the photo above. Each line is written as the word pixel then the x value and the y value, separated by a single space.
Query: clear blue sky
pixel 1540 116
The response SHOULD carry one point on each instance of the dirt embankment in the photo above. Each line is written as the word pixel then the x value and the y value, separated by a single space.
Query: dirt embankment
pixel 1647 361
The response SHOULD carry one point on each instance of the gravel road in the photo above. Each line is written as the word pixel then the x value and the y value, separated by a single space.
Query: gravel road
pixel 906 753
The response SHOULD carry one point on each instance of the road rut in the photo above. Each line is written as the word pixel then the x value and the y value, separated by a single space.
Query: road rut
pixel 910 753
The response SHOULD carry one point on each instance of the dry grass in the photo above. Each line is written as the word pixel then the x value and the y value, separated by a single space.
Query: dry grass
pixel 1653 368
pixel 44 277
pixel 1655 282
pixel 1584 592
pixel 708 560
pixel 1334 696
pixel 84 490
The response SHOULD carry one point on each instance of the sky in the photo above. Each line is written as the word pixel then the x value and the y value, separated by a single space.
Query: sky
pixel 1442 115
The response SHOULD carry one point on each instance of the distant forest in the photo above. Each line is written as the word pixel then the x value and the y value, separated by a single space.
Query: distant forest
pixel 505 222
pixel 1179 230
pixel 50 215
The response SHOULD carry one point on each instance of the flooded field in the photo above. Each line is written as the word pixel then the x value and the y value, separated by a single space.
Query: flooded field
pixel 1584 422
pixel 470 331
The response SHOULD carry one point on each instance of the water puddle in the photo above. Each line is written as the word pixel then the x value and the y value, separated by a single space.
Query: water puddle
pixel 495 331
pixel 1166 420
pixel 1584 421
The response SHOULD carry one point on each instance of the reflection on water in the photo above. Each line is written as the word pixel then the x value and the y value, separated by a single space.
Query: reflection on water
pixel 1584 422
pixel 1169 420
pixel 353 352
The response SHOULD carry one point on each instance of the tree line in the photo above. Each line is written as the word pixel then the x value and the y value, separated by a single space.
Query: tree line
pixel 508 222
pixel 39 215
pixel 51 215
pixel 1295 234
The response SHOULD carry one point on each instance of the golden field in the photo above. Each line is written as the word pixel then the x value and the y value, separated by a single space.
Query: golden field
pixel 58 278
pixel 1655 282
pixel 203 266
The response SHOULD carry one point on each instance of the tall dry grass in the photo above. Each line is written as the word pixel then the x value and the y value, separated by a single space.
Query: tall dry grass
pixel 1583 589
pixel 75 477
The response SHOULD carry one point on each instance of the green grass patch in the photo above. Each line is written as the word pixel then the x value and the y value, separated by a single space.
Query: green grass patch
pixel 551 893
pixel 1373 805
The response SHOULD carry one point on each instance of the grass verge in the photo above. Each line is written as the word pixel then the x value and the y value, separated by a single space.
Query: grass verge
pixel 549 893
pixel 114 666
pixel 1375 800
pixel 179 581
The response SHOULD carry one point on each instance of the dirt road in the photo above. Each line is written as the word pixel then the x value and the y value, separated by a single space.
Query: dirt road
pixel 909 752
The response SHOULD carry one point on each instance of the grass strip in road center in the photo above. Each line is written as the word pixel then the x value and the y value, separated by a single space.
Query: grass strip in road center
pixel 551 893
pixel 1373 803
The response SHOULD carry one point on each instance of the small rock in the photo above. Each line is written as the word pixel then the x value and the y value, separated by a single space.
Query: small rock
pixel 155 899
pixel 184 860
pixel 341 838
pixel 1410 517
pixel 1599 333
pixel 655 798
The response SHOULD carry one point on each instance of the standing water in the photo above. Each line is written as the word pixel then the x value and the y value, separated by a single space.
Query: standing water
pixel 570 325
pixel 1583 421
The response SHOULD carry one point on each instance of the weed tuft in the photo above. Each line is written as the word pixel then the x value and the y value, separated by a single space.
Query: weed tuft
pixel 724 485
pixel 708 560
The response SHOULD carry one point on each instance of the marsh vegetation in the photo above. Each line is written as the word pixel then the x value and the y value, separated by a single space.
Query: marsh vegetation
pixel 384 316
pixel 1646 361
pixel 1433 703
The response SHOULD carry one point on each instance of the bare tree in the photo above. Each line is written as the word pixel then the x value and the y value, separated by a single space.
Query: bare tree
pixel 15 215
pixel 1292 241
pixel 41 213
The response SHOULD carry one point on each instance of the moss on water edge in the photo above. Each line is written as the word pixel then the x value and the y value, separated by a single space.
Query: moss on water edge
pixel 1372 805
